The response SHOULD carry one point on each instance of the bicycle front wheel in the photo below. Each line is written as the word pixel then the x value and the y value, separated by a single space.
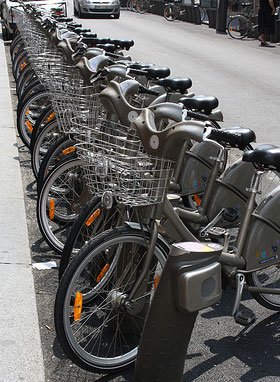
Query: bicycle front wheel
pixel 142 6
pixel 170 12
pixel 270 278
pixel 96 328
pixel 61 198
pixel 238 27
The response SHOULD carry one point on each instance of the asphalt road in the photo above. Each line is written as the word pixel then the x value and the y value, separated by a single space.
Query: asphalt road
pixel 245 78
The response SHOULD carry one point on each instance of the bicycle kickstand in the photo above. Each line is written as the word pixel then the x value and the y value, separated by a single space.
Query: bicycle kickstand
pixel 241 316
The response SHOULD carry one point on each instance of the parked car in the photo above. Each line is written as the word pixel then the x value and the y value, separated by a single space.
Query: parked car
pixel 97 7
pixel 8 24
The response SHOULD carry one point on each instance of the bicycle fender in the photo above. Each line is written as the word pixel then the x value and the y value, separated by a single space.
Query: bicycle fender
pixel 162 242
pixel 262 246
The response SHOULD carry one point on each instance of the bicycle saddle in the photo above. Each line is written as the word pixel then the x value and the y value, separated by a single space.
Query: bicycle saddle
pixel 200 103
pixel 123 44
pixel 154 73
pixel 139 65
pixel 175 84
pixel 111 48
pixel 264 156
pixel 63 19
pixel 73 25
pixel 80 30
pixel 235 136
pixel 247 136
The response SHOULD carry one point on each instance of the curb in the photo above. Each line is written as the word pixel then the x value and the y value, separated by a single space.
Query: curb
pixel 21 357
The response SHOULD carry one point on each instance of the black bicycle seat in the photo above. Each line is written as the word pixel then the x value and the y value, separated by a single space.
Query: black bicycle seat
pixel 123 44
pixel 154 73
pixel 247 136
pixel 80 30
pixel 175 84
pixel 139 65
pixel 111 48
pixel 264 156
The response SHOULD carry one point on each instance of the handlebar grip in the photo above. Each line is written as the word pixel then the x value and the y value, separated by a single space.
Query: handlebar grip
pixel 138 72
pixel 223 136
pixel 143 89
pixel 196 115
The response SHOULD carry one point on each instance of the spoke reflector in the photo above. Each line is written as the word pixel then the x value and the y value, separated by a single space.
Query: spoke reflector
pixel 69 150
pixel 29 125
pixel 27 111
pixel 78 305
pixel 156 282
pixel 102 273
pixel 93 217
pixel 51 116
pixel 51 209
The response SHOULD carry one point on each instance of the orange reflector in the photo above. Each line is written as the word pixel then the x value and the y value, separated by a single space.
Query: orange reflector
pixel 50 117
pixel 29 125
pixel 78 305
pixel 102 273
pixel 93 217
pixel 156 282
pixel 68 150
pixel 22 66
pixel 27 111
pixel 197 199
pixel 51 209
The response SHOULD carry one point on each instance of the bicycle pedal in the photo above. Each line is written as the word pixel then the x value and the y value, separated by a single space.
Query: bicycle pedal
pixel 245 317
pixel 216 232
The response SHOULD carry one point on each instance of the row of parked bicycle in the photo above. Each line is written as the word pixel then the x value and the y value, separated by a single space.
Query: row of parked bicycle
pixel 129 161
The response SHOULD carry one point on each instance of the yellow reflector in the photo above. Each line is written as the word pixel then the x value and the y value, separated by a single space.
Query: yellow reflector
pixel 102 273
pixel 50 117
pixel 78 305
pixel 51 209
pixel 156 282
pixel 197 199
pixel 29 125
pixel 93 217
pixel 68 150
pixel 27 111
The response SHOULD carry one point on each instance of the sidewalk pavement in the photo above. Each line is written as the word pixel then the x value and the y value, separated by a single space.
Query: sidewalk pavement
pixel 21 357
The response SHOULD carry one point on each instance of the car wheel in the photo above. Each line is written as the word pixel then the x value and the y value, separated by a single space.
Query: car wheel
pixel 117 16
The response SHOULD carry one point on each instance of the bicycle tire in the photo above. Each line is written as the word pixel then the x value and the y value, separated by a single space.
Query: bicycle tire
pixel 55 155
pixel 202 13
pixel 28 112
pixel 171 12
pixel 142 6
pixel 266 277
pixel 238 27
pixel 44 140
pixel 60 202
pixel 102 272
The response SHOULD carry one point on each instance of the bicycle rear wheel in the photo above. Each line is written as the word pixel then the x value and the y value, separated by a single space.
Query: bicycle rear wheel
pixel 105 334
pixel 238 27
pixel 171 12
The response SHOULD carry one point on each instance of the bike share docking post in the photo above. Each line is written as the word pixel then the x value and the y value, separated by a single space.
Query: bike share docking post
pixel 221 23
pixel 190 281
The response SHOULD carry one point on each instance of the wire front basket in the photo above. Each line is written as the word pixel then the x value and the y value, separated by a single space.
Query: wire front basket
pixel 115 161
pixel 84 105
